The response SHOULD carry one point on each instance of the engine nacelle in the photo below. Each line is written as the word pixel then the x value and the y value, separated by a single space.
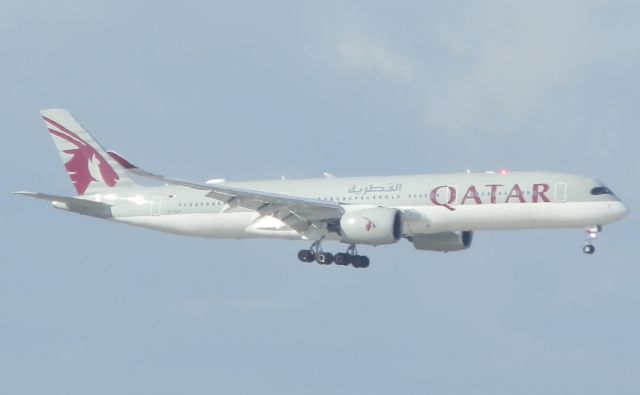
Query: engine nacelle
pixel 444 241
pixel 374 226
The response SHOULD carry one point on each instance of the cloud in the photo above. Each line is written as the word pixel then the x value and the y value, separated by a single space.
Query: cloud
pixel 513 55
pixel 489 66
pixel 366 55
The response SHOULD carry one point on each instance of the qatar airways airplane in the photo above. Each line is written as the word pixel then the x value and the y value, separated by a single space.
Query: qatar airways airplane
pixel 433 212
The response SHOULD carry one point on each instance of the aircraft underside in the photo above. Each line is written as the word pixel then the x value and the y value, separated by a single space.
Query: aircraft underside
pixel 428 228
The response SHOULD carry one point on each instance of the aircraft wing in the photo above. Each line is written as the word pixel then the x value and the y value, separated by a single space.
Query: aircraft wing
pixel 307 216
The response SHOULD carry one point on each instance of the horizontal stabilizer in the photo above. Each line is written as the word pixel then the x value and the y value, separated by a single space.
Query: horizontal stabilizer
pixel 80 206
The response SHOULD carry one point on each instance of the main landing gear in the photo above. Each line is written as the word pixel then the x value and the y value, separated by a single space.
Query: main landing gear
pixel 592 233
pixel 350 257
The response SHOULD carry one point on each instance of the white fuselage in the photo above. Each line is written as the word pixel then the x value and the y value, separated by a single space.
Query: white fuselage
pixel 248 224
pixel 430 204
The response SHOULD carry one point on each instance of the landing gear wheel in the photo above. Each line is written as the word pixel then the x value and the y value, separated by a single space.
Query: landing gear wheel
pixel 365 262
pixel 342 259
pixel 324 258
pixel 306 256
pixel 360 261
pixel 592 233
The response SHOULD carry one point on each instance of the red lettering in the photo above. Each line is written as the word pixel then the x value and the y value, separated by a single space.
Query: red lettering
pixel 494 189
pixel 516 192
pixel 452 196
pixel 472 193
pixel 539 191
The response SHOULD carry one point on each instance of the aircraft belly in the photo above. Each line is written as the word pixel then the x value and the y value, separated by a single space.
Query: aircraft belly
pixel 575 214
pixel 210 225
pixel 511 216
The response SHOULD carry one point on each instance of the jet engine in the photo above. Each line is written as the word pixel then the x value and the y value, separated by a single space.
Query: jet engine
pixel 444 241
pixel 374 226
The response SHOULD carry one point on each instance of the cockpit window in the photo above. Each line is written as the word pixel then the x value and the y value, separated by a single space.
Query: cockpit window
pixel 601 191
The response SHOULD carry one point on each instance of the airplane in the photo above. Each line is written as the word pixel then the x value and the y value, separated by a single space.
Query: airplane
pixel 433 212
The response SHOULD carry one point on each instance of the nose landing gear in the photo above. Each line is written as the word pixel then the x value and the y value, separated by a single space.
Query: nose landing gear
pixel 592 233
pixel 589 249
pixel 315 253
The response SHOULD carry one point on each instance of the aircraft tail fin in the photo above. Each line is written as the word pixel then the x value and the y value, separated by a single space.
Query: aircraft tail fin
pixel 90 168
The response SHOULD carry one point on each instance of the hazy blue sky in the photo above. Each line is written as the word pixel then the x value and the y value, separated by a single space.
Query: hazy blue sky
pixel 251 89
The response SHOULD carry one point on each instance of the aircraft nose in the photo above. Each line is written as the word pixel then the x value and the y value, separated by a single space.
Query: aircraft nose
pixel 618 209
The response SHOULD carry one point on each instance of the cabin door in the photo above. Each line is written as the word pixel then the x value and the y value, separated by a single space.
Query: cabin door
pixel 156 205
pixel 561 192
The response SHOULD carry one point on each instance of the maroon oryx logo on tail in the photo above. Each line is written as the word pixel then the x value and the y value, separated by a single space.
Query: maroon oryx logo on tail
pixel 369 225
pixel 85 160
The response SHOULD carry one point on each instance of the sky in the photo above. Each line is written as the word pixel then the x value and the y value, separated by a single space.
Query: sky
pixel 257 90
